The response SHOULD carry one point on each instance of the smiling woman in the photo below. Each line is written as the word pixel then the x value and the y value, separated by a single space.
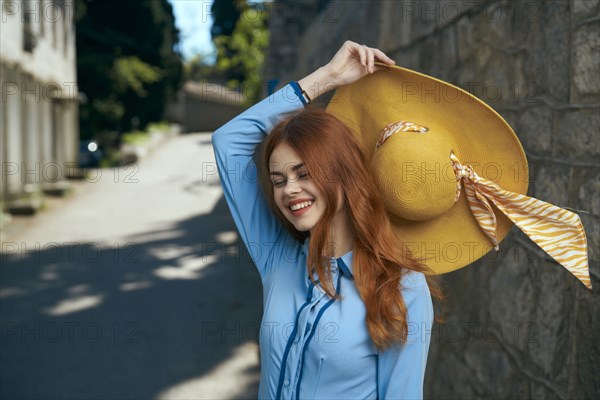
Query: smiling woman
pixel 334 271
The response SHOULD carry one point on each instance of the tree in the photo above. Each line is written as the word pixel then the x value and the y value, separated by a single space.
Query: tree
pixel 242 54
pixel 126 63
pixel 226 14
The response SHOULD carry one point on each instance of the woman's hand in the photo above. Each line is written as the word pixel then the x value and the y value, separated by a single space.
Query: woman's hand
pixel 349 64
pixel 353 61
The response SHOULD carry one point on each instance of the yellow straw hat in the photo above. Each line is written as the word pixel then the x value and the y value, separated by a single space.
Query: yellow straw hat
pixel 452 173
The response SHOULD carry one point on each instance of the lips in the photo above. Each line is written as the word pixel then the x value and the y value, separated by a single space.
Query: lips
pixel 299 206
pixel 298 201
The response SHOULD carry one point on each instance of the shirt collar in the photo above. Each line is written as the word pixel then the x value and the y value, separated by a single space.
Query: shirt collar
pixel 345 266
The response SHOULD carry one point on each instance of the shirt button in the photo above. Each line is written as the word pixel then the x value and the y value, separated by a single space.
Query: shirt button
pixel 287 382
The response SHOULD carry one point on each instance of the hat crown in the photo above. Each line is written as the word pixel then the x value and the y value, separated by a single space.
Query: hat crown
pixel 414 170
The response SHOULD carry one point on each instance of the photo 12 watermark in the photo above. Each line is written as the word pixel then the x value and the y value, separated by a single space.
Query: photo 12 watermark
pixel 53 171
pixel 71 332
pixel 70 252
pixel 329 332
pixel 36 92
pixel 37 11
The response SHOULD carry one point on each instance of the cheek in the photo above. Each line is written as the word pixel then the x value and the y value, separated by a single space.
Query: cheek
pixel 278 198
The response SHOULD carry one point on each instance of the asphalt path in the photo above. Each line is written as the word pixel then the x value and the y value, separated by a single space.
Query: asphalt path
pixel 134 287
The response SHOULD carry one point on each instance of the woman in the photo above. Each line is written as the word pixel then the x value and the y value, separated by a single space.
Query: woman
pixel 358 326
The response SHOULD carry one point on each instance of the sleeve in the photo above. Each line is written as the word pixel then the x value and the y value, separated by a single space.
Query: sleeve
pixel 234 144
pixel 401 368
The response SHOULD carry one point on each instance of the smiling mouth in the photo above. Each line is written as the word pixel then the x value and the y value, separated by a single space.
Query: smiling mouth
pixel 300 208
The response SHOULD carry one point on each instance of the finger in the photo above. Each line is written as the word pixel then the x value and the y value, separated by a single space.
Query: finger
pixel 370 60
pixel 383 57
pixel 363 55
pixel 380 67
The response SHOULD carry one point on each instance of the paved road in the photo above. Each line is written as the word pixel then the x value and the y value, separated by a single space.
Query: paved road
pixel 135 287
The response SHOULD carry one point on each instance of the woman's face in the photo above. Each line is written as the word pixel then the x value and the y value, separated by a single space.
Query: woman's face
pixel 296 195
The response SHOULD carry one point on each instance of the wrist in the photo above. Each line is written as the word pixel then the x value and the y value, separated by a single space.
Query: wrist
pixel 332 78
pixel 318 82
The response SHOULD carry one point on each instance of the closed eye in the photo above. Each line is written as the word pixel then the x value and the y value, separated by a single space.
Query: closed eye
pixel 281 182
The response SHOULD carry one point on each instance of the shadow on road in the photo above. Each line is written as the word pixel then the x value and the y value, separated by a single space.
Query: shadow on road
pixel 96 320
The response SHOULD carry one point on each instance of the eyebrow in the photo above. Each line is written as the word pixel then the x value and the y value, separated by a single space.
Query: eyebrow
pixel 294 168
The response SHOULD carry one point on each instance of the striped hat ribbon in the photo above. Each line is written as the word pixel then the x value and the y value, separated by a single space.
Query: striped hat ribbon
pixel 556 231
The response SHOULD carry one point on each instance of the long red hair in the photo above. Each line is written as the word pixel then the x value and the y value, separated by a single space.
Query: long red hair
pixel 333 157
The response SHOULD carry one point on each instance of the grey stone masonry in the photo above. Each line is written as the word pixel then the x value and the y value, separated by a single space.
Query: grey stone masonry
pixel 517 324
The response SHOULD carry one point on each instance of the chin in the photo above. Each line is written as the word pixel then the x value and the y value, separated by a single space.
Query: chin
pixel 303 227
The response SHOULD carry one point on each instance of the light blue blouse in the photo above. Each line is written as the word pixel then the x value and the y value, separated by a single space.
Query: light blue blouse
pixel 312 347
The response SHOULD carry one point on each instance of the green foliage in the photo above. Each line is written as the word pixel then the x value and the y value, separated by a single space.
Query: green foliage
pixel 242 54
pixel 199 69
pixel 131 73
pixel 161 126
pixel 126 63
pixel 135 137
pixel 112 158
pixel 108 107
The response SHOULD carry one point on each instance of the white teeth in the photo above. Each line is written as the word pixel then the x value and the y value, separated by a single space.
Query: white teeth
pixel 300 205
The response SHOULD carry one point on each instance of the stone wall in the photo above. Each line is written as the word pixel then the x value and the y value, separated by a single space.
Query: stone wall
pixel 517 324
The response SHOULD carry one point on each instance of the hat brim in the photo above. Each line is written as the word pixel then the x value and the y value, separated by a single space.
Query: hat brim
pixel 483 138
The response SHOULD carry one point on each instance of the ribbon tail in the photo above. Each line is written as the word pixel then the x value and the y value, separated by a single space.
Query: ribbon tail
pixel 482 211
pixel 555 230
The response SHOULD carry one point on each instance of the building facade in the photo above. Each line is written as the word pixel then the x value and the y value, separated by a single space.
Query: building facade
pixel 39 130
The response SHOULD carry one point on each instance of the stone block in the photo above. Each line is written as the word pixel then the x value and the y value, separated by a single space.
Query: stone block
pixel 495 84
pixel 587 8
pixel 467 76
pixel 396 28
pixel 524 90
pixel 534 128
pixel 409 58
pixel 489 369
pixel 591 225
pixel 390 28
pixel 492 25
pixel 548 48
pixel 449 54
pixel 514 278
pixel 585 60
pixel 449 377
pixel 521 18
pixel 550 182
pixel 511 117
pixel 425 16
pixel 589 194
pixel 584 381
pixel 549 341
pixel 429 59
pixel 467 41
pixel 576 135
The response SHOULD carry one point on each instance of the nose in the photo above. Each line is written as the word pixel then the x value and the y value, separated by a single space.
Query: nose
pixel 292 187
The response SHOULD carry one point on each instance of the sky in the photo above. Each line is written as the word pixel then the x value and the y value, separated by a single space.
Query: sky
pixel 194 21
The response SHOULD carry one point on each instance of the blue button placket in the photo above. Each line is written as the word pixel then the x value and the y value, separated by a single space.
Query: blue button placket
pixel 312 332
pixel 302 337
pixel 282 380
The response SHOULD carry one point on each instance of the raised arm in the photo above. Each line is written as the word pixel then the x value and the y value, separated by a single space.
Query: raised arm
pixel 235 142
pixel 234 145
